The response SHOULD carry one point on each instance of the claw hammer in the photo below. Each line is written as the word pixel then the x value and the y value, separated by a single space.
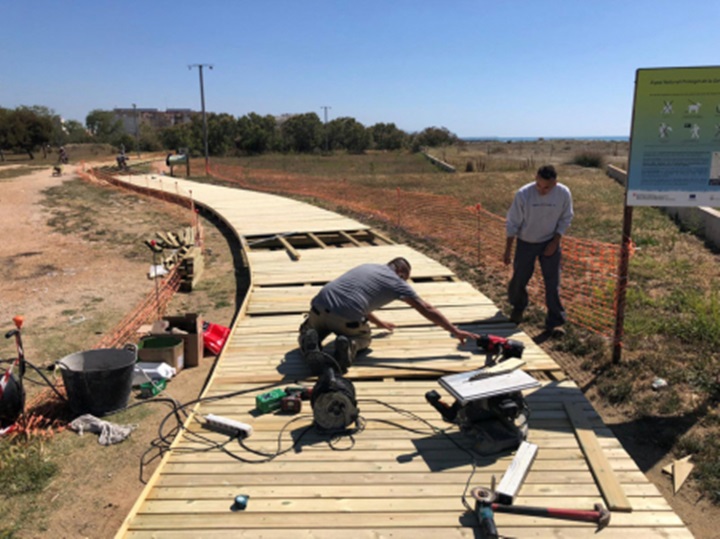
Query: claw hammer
pixel 599 515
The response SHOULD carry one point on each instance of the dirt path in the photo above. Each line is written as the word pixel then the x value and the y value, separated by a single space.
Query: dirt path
pixel 71 289
pixel 48 274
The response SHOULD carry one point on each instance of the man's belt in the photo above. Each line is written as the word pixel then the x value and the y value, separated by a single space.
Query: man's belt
pixel 349 325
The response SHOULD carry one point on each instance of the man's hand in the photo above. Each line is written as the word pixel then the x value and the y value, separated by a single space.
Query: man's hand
pixel 463 335
pixel 551 247
pixel 386 325
pixel 389 326
pixel 506 257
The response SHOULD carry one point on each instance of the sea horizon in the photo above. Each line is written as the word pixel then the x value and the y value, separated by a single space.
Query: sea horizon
pixel 536 139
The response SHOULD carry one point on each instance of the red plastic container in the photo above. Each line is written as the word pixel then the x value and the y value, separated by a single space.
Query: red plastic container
pixel 214 337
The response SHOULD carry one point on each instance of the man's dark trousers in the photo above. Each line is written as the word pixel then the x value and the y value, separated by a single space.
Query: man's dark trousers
pixel 523 268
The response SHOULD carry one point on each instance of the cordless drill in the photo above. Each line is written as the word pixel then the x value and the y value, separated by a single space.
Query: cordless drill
pixel 501 347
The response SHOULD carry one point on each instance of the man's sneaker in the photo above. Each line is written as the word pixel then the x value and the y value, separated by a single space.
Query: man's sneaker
pixel 311 351
pixel 516 316
pixel 343 354
pixel 310 342
pixel 557 332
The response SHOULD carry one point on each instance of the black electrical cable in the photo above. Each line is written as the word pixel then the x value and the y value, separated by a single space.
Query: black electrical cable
pixel 162 443
pixel 48 382
pixel 435 429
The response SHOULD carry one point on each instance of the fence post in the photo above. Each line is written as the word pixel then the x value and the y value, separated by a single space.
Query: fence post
pixel 623 270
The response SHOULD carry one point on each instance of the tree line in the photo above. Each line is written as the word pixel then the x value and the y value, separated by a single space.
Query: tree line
pixel 32 129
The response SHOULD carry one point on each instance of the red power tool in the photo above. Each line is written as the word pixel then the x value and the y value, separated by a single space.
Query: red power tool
pixel 292 402
pixel 500 347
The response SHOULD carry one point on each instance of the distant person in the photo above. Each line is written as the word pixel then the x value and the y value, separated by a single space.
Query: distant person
pixel 345 307
pixel 63 156
pixel 539 216
pixel 122 160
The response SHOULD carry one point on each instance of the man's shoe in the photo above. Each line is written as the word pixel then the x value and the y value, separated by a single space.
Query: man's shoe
pixel 343 354
pixel 310 342
pixel 516 316
pixel 311 351
pixel 557 332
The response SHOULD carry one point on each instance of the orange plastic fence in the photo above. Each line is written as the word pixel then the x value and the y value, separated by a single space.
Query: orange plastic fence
pixel 474 235
pixel 151 308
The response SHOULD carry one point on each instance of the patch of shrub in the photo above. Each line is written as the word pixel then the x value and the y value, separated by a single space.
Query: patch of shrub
pixel 589 160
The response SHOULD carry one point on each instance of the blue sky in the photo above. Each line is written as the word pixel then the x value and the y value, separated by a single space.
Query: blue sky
pixel 506 68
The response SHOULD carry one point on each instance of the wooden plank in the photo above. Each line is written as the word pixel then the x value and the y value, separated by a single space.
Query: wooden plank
pixel 362 489
pixel 681 471
pixel 587 532
pixel 609 486
pixel 349 238
pixel 289 248
pixel 515 475
pixel 337 504
pixel 317 240
pixel 348 519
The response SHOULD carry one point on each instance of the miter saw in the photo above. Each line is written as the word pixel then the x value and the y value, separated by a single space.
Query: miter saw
pixel 489 407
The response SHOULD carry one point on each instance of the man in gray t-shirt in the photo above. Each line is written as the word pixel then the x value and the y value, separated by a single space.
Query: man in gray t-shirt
pixel 345 307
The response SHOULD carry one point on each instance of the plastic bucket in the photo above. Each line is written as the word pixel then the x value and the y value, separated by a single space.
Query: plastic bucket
pixel 99 381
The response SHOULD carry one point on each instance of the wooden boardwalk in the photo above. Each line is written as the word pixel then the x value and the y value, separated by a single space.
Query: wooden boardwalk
pixel 400 476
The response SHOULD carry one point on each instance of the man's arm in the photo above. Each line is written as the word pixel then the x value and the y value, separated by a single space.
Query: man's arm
pixel 437 318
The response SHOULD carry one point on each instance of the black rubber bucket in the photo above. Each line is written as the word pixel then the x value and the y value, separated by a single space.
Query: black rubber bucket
pixel 99 381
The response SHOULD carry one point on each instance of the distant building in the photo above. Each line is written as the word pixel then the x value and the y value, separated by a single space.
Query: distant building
pixel 153 117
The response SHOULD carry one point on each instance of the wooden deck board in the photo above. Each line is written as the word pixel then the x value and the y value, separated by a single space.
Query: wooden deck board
pixel 404 474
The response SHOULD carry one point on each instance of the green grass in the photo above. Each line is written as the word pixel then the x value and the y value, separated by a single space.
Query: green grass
pixel 26 469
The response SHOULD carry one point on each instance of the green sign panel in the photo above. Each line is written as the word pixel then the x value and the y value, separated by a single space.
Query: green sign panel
pixel 675 140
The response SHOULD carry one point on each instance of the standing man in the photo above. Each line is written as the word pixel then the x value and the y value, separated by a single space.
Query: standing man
pixel 345 307
pixel 540 214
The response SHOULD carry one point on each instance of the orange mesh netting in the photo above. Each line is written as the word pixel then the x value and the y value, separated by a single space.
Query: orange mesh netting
pixel 476 236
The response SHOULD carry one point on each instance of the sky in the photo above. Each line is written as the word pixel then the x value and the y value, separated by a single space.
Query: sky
pixel 482 68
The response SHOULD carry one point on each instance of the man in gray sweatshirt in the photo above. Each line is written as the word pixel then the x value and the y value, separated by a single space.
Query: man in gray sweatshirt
pixel 540 214
pixel 346 307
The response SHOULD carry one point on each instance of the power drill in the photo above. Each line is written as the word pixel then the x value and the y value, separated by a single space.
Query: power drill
pixel 500 347
pixel 292 402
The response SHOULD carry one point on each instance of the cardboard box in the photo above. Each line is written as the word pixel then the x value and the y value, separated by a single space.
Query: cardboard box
pixel 162 349
pixel 189 328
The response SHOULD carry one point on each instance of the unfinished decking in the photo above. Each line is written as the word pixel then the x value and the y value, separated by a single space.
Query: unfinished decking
pixel 397 477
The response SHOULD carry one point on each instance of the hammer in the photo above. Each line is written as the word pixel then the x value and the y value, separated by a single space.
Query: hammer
pixel 599 515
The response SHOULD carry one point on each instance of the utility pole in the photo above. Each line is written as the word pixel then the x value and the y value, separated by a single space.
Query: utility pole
pixel 325 108
pixel 137 130
pixel 204 119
